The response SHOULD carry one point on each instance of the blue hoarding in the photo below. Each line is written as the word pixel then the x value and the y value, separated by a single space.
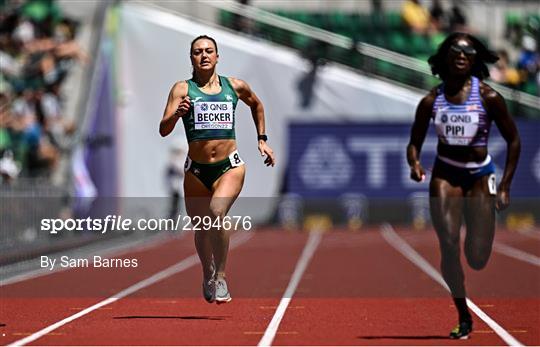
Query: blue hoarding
pixel 329 160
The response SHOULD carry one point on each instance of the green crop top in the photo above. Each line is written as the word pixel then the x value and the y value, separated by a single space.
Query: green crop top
pixel 211 116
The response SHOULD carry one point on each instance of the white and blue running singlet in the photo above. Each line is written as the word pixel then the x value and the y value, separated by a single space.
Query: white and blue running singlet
pixel 464 124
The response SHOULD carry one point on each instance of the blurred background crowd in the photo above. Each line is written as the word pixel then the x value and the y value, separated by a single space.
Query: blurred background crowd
pixel 38 47
pixel 416 28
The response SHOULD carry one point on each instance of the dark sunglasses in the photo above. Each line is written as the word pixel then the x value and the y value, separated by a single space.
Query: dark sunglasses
pixel 467 50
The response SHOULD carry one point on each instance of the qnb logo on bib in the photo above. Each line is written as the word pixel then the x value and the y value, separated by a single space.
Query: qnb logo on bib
pixel 213 115
pixel 456 128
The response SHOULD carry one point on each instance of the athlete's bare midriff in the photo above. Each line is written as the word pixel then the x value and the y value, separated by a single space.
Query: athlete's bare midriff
pixel 211 151
pixel 463 154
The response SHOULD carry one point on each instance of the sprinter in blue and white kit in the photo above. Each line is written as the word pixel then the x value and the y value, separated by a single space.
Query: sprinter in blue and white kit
pixel 463 184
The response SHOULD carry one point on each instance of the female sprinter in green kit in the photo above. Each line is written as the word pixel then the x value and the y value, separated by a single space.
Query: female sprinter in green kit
pixel 214 170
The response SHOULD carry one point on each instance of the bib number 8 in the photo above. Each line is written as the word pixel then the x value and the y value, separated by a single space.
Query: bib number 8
pixel 235 159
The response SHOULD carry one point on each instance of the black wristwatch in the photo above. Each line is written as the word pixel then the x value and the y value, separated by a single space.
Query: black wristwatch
pixel 262 137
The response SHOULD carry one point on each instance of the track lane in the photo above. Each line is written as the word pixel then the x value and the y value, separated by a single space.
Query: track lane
pixel 173 312
pixel 33 304
pixel 508 290
pixel 348 296
pixel 525 243
pixel 359 290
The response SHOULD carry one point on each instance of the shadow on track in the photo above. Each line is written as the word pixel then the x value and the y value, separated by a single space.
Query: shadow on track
pixel 397 337
pixel 175 317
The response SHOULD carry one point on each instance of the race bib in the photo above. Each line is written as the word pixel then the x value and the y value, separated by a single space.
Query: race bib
pixel 235 159
pixel 492 184
pixel 456 128
pixel 187 164
pixel 213 115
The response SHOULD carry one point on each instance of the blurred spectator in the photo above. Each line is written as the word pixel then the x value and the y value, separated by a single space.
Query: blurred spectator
pixel 39 154
pixel 241 23
pixel 8 167
pixel 457 20
pixel 502 72
pixel 377 7
pixel 378 19
pixel 306 84
pixel 529 64
pixel 377 11
pixel 416 16
pixel 174 176
pixel 438 16
pixel 54 122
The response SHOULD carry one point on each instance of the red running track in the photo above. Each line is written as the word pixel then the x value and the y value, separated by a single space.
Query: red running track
pixel 356 290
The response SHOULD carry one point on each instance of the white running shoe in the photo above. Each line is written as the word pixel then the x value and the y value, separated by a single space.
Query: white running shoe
pixel 222 292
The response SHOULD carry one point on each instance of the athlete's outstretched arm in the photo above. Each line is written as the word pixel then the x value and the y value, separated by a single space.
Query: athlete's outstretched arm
pixel 257 112
pixel 178 105
pixel 496 108
pixel 418 135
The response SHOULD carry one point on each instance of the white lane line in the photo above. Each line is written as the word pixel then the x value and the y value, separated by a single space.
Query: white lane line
pixel 408 252
pixel 171 270
pixel 309 249
pixel 532 234
pixel 515 253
